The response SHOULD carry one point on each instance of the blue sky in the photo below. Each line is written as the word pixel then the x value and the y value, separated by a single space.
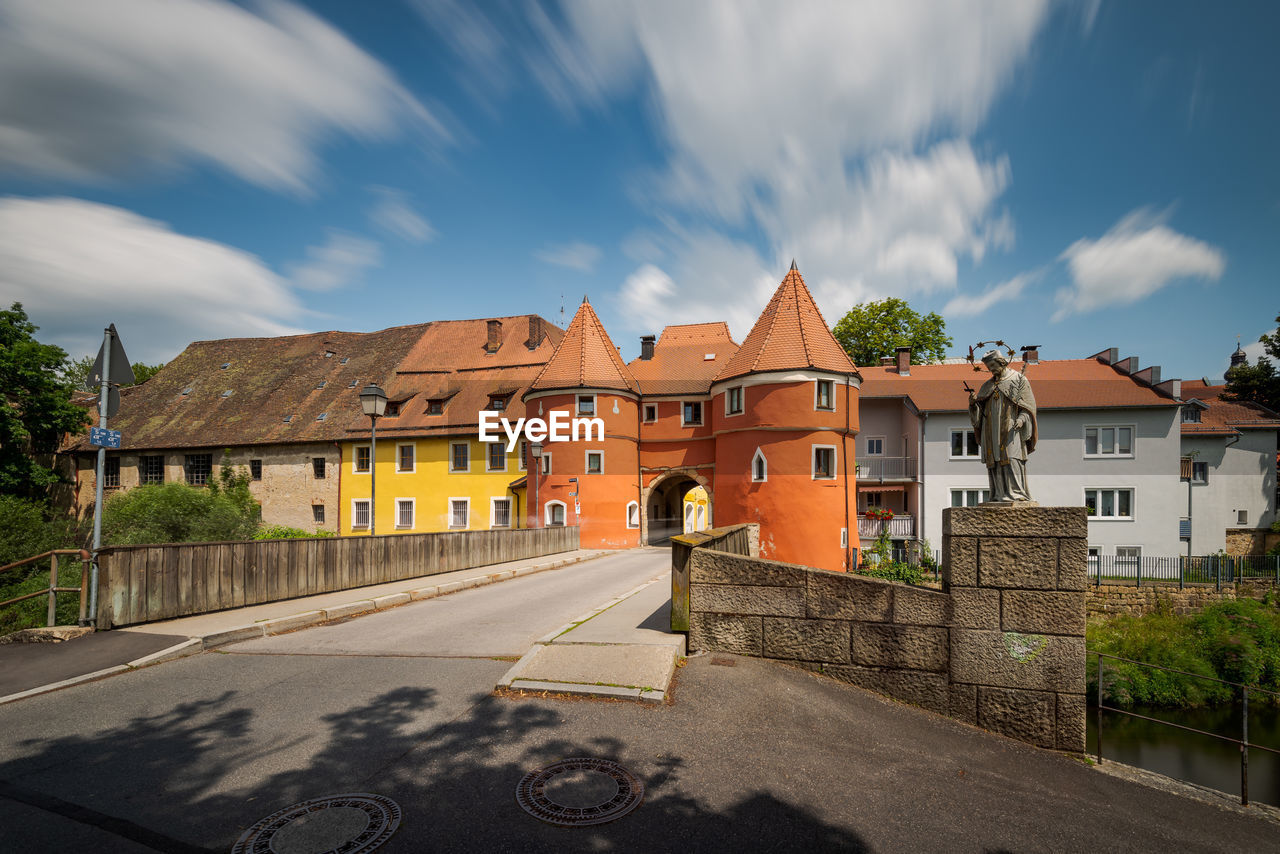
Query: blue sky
pixel 1075 175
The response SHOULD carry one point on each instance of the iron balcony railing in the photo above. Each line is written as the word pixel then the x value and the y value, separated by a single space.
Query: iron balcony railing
pixel 899 527
pixel 887 468
pixel 1210 569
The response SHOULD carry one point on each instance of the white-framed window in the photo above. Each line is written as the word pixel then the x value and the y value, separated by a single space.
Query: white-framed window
pixel 595 462
pixel 499 512
pixel 497 457
pixel 1242 518
pixel 875 446
pixel 405 508
pixel 459 456
pixel 650 413
pixel 360 459
pixel 546 462
pixel 524 454
pixel 1109 503
pixel 1199 472
pixel 1128 558
pixel 587 405
pixel 406 457
pixel 733 401
pixel 1108 441
pixel 554 511
pixel 691 413
pixel 1190 414
pixel 359 513
pixel 824 462
pixel 969 497
pixel 459 512
pixel 824 395
pixel 759 467
pixel 964 443
pixel 1095 556
pixel 633 514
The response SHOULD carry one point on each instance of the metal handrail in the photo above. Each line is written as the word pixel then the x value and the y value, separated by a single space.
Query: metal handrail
pixel 53 589
pixel 1243 742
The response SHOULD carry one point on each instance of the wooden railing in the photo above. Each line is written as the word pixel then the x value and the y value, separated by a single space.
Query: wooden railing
pixel 53 589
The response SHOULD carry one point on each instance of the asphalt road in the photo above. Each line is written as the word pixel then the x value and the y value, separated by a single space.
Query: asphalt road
pixel 756 756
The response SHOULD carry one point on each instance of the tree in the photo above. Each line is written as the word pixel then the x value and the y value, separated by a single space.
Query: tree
pixel 1259 382
pixel 875 329
pixel 77 372
pixel 37 410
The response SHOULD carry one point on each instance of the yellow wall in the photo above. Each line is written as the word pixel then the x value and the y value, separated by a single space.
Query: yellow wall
pixel 697 497
pixel 431 484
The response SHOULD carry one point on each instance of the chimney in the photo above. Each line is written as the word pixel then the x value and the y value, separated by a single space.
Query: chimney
pixel 646 347
pixel 495 337
pixel 535 332
pixel 886 361
pixel 1031 354
pixel 904 361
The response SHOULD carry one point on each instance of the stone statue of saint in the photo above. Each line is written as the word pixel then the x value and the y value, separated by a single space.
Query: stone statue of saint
pixel 1003 413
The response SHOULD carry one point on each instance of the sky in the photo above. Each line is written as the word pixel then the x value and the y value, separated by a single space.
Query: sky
pixel 1077 175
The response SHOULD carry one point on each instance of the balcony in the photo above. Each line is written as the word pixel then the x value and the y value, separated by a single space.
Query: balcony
pixel 887 468
pixel 900 527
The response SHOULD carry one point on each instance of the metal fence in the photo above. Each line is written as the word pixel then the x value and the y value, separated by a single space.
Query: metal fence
pixel 1209 569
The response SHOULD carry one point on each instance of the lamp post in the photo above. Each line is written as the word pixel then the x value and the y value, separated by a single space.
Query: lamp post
pixel 535 451
pixel 374 402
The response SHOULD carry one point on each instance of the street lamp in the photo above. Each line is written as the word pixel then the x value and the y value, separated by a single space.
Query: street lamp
pixel 535 451
pixel 374 402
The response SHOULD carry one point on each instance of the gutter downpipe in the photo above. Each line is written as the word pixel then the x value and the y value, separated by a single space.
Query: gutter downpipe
pixel 924 426
pixel 844 459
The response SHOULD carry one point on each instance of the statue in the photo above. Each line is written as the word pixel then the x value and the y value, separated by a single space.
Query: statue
pixel 1003 413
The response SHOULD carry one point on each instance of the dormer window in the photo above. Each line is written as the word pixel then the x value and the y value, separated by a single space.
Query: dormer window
pixel 1190 414
pixel 392 410
pixel 435 406
pixel 498 402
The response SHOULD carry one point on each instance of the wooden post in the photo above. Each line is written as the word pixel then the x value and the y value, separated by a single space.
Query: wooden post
pixel 53 589
pixel 84 592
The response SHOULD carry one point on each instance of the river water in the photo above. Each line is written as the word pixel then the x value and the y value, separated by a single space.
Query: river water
pixel 1193 757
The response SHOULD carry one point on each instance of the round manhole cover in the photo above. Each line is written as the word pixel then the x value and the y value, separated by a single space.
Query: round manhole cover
pixel 576 792
pixel 341 824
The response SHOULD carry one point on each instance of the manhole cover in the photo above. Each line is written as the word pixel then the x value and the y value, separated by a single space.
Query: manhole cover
pixel 576 792
pixel 341 824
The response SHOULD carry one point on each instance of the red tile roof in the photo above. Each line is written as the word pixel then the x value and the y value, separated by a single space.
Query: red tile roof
pixel 1057 384
pixel 680 364
pixel 585 358
pixel 1225 417
pixel 790 334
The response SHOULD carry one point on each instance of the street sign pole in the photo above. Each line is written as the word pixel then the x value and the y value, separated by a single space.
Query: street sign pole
pixel 102 466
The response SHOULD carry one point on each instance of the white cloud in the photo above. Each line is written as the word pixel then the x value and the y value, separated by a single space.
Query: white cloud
pixel 579 256
pixel 1137 257
pixel 77 266
pixel 339 262
pixel 968 306
pixel 89 91
pixel 393 212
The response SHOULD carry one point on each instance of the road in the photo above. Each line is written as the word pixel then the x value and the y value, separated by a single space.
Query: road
pixel 755 756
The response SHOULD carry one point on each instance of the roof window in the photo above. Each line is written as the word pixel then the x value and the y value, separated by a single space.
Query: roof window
pixel 708 357
pixel 187 390
pixel 328 354
pixel 226 365
pixel 227 393
pixel 344 360
pixel 288 418
pixel 322 384
pixel 321 416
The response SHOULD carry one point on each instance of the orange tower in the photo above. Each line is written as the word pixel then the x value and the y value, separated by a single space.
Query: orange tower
pixel 592 482
pixel 785 411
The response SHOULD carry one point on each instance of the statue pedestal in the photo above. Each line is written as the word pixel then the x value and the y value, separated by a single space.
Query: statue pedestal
pixel 1017 574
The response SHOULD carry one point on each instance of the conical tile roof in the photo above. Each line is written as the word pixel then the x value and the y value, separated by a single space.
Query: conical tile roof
pixel 585 358
pixel 789 335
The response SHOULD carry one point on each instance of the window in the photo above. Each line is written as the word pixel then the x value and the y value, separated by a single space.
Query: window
pixel 404 512
pixel 524 454
pixel 733 401
pixel 759 467
pixel 459 456
pixel 875 446
pixel 587 405
pixel 546 463
pixel 650 413
pixel 595 462
pixel 555 513
pixel 964 443
pixel 692 412
pixel 392 410
pixel 498 402
pixel 1190 414
pixel 824 462
pixel 435 407
pixel 1108 441
pixel 1242 517
pixel 360 463
pixel 406 457
pixel 497 457
pixel 317 513
pixel 317 467
pixel 500 513
pixel 459 512
pixel 255 469
pixel 1095 554
pixel 197 468
pixel 1109 503
pixel 360 513
pixel 1128 558
pixel 151 469
pixel 111 473
pixel 1199 472
pixel 969 497
pixel 824 395
pixel 633 515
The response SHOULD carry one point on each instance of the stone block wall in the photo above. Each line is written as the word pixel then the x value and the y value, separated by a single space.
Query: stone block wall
pixel 1251 541
pixel 1111 599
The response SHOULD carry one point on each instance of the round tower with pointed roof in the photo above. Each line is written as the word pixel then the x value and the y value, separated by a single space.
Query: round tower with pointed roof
pixel 589 481
pixel 785 413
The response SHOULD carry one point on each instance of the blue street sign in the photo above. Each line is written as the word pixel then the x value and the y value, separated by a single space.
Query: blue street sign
pixel 104 438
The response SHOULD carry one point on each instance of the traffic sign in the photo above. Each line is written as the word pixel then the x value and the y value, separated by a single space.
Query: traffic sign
pixel 121 372
pixel 103 438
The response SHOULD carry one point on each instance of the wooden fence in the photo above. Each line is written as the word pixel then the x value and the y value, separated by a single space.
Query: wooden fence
pixel 139 584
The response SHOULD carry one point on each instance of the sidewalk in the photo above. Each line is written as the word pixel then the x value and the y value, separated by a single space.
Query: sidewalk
pixel 59 665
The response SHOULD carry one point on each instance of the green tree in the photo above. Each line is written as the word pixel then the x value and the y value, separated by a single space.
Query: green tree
pixel 1259 382
pixel 875 329
pixel 77 372
pixel 178 513
pixel 37 410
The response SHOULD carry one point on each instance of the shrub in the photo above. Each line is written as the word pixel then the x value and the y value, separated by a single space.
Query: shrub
pixel 178 513
pixel 284 532
pixel 893 570
pixel 26 530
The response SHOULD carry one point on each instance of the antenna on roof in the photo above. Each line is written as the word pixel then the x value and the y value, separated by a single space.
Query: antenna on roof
pixel 793 265
pixel 562 309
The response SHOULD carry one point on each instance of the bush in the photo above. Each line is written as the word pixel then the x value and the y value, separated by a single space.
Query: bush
pixel 26 530
pixel 178 513
pixel 284 532
pixel 893 570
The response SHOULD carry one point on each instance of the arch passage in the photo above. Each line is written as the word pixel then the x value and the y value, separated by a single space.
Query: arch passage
pixel 662 514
